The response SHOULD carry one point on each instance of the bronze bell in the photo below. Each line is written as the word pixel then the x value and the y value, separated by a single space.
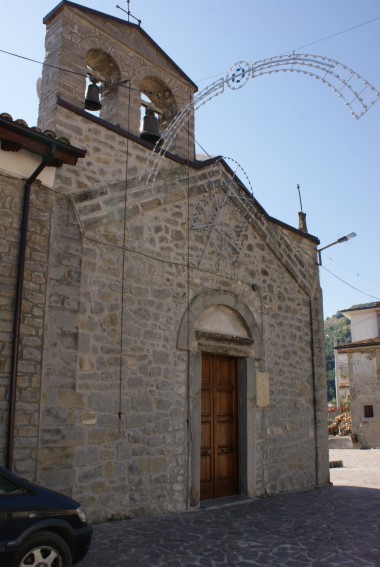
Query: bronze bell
pixel 92 100
pixel 150 131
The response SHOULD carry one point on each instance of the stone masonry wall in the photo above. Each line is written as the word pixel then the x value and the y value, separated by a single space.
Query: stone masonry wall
pixel 10 212
pixel 32 322
pixel 114 415
pixel 104 415
pixel 104 405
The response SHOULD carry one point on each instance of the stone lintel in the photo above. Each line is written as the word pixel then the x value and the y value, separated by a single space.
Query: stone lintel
pixel 219 337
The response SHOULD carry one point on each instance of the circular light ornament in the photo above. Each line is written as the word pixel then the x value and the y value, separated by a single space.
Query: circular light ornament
pixel 238 75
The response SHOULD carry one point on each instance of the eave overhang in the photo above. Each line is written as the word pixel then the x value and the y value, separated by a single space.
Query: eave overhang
pixel 16 135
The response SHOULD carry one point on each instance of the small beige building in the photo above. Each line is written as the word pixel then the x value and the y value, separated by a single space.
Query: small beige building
pixel 362 361
pixel 171 344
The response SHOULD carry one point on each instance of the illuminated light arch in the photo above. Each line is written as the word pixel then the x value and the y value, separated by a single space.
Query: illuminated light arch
pixel 357 93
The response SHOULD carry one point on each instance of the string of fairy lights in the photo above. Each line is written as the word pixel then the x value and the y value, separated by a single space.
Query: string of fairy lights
pixel 356 92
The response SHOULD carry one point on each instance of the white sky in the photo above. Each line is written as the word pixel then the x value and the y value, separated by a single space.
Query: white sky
pixel 283 129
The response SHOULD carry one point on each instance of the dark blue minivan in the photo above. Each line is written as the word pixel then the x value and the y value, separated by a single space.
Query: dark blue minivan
pixel 39 527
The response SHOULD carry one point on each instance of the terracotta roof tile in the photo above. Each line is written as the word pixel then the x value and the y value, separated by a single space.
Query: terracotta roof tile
pixel 16 135
pixel 360 344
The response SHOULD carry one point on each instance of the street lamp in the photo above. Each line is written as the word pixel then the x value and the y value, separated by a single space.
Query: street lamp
pixel 339 241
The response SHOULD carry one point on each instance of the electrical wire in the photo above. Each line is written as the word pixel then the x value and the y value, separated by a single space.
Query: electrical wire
pixel 40 63
pixel 123 326
pixel 206 152
pixel 353 271
pixel 170 262
pixel 205 78
pixel 336 276
pixel 307 44
pixel 349 285
pixel 334 34
pixel 329 271
pixel 85 75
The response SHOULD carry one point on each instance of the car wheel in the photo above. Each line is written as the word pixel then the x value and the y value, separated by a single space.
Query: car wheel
pixel 43 549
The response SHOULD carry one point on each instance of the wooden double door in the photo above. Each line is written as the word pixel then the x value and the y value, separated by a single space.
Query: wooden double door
pixel 219 427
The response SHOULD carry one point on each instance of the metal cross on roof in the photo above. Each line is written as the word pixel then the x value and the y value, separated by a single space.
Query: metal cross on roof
pixel 128 12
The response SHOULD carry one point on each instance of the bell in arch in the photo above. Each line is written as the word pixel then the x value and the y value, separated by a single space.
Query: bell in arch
pixel 150 131
pixel 92 100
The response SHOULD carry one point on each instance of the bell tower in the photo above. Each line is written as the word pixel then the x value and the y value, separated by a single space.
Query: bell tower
pixel 105 65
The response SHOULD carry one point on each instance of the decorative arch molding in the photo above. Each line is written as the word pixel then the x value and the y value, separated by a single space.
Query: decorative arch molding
pixel 190 336
pixel 94 42
pixel 162 91
pixel 104 66
pixel 147 70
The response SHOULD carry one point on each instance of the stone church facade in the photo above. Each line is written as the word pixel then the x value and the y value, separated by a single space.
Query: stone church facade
pixel 173 351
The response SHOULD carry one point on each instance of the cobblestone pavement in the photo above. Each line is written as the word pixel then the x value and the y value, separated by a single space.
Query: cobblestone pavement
pixel 328 527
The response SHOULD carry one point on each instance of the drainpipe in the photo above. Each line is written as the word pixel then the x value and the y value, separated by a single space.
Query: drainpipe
pixel 316 455
pixel 17 315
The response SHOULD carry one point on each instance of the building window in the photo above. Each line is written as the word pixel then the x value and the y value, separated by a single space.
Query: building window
pixel 368 411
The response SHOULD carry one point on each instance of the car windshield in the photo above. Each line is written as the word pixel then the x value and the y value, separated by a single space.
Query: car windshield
pixel 7 486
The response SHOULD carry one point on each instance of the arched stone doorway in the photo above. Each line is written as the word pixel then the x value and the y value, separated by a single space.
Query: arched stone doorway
pixel 219 330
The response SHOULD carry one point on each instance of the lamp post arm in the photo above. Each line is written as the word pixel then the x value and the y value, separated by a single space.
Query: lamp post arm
pixel 328 245
pixel 339 241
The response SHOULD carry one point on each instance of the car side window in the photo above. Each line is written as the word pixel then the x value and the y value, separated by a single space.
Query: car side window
pixel 6 486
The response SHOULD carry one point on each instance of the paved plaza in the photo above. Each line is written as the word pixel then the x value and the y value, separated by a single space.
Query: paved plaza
pixel 333 526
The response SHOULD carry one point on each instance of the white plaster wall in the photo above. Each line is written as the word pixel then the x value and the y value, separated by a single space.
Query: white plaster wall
pixel 22 164
pixel 363 325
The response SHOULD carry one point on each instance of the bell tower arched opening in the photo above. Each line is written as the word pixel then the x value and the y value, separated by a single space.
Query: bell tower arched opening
pixel 158 107
pixel 104 73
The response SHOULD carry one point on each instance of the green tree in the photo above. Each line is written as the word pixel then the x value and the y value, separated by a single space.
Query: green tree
pixel 337 327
